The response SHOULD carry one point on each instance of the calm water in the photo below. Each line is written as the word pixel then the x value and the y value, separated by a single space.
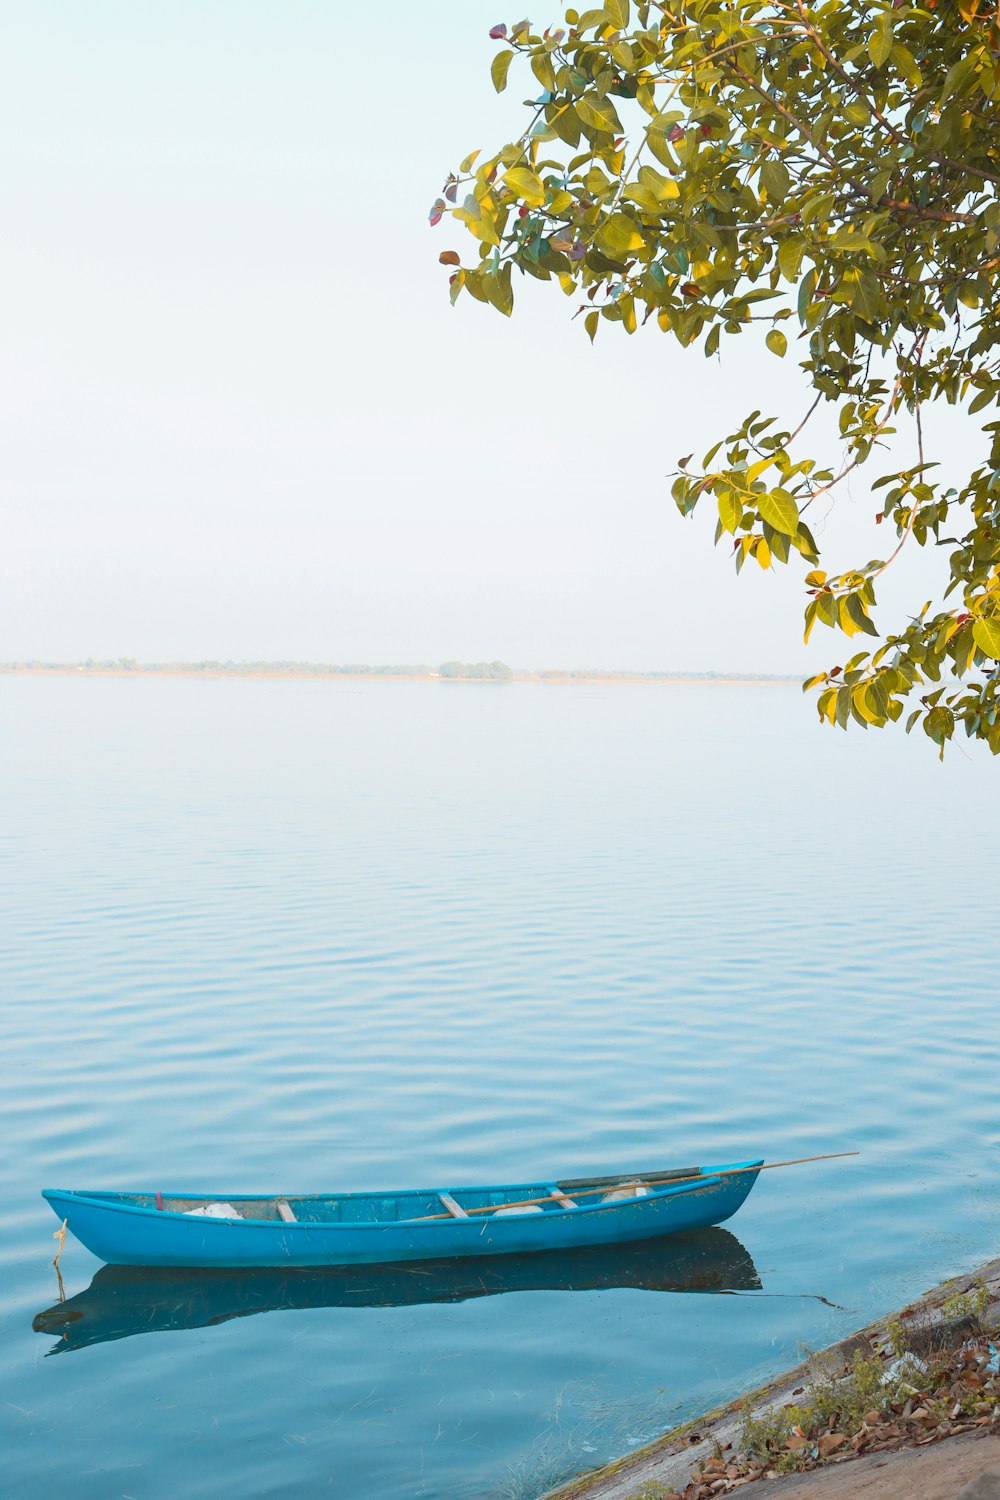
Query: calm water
pixel 261 935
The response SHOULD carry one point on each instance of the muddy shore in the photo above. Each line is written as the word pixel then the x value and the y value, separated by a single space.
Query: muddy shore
pixel 933 1468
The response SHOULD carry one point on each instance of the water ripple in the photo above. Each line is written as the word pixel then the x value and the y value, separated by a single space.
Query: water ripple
pixel 309 935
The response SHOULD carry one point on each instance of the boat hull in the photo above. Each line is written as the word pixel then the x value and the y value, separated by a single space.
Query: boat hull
pixel 128 1229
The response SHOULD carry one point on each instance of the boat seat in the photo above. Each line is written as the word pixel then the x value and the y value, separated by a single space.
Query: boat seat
pixel 627 1190
pixel 284 1212
pixel 455 1209
pixel 560 1197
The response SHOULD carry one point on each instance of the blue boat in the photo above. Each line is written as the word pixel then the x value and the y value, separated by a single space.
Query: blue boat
pixel 124 1301
pixel 344 1229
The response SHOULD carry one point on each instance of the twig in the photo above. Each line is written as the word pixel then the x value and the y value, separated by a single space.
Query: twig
pixel 913 513
pixel 805 419
pixel 60 1235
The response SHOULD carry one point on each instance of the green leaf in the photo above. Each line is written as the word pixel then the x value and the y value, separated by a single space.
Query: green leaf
pixel 790 254
pixel 986 634
pixel 851 239
pixel 777 343
pixel 852 616
pixel 565 123
pixel 984 398
pixel 806 543
pixel 880 41
pixel 907 64
pixel 873 701
pixel 778 543
pixel 599 114
pixel 526 185
pixel 497 289
pixel 657 142
pixel 590 322
pixel 618 11
pixel 806 288
pixel 541 66
pixel 865 294
pixel 779 510
pixel 775 180
pixel 499 68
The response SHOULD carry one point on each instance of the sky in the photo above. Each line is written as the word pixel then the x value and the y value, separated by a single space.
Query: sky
pixel 239 419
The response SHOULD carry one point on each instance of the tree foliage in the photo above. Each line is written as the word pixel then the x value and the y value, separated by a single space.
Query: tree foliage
pixel 828 171
pixel 484 671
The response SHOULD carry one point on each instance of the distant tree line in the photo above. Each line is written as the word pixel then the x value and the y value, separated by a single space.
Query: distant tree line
pixel 461 671
pixel 490 671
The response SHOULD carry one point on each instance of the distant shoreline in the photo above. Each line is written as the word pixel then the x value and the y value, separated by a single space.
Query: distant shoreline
pixel 323 672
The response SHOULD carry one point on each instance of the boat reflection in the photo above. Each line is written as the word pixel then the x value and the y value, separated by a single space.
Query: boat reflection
pixel 124 1300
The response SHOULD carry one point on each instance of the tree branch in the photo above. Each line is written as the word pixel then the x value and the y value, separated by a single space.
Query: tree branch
pixel 963 168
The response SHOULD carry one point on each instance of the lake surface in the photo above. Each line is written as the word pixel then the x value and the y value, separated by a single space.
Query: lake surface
pixel 261 935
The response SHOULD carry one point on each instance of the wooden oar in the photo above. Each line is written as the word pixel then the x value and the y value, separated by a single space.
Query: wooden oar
pixel 610 1186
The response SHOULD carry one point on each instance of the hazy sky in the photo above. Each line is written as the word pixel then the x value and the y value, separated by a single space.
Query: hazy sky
pixel 239 418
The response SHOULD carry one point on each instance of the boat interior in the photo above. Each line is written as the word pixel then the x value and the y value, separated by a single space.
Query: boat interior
pixel 395 1208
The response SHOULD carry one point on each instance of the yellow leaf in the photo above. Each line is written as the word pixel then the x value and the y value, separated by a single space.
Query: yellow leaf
pixel 762 553
pixel 499 68
pixel 526 185
pixel 619 235
pixel 986 634
pixel 847 625
pixel 663 188
pixel 757 469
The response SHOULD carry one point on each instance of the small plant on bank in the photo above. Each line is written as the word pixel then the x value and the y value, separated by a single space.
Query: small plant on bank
pixel 970 1304
pixel 845 1400
pixel 874 1407
pixel 897 1336
pixel 832 1411
pixel 765 1434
